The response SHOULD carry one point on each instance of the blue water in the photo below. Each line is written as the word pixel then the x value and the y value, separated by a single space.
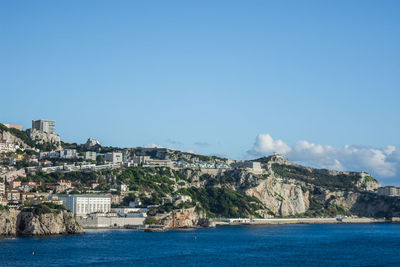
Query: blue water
pixel 298 245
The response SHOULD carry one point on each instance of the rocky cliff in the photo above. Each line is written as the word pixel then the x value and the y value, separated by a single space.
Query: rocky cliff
pixel 30 224
pixel 282 189
pixel 184 218
pixel 41 137
pixel 9 138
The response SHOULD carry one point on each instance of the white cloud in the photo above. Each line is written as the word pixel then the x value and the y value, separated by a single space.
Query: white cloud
pixel 384 162
pixel 266 145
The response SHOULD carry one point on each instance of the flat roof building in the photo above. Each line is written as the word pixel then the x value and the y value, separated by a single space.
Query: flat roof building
pixel 15 126
pixel 82 205
pixel 114 157
pixel 44 125
pixel 389 191
pixel 90 155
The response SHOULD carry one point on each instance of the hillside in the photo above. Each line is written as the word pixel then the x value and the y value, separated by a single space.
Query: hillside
pixel 279 188
pixel 35 140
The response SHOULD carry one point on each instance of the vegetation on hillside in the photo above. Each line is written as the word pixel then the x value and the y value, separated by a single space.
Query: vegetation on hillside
pixel 331 182
pixel 43 208
pixel 45 146
pixel 20 134
pixel 224 202
pixel 328 209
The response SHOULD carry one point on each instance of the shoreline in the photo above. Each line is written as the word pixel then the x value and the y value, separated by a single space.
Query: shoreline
pixel 277 221
pixel 255 222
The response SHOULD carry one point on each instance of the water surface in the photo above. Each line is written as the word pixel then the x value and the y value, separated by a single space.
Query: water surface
pixel 305 245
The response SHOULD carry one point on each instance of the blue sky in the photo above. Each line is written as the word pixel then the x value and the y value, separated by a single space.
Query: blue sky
pixel 207 76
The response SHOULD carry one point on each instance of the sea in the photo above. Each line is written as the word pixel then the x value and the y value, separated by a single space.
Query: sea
pixel 375 244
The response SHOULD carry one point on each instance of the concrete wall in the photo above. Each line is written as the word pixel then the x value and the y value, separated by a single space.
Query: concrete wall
pixel 109 222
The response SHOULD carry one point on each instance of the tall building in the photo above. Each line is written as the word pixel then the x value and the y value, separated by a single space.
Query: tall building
pixel 2 189
pixel 44 125
pixel 81 205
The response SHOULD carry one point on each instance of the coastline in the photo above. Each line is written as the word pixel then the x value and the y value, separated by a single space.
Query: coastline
pixel 277 221
pixel 245 221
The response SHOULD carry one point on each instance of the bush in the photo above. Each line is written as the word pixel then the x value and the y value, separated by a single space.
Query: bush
pixel 224 202
pixel 331 182
pixel 151 220
pixel 43 208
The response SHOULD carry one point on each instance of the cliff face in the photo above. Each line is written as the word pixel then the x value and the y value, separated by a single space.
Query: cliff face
pixel 30 224
pixel 282 199
pixel 8 222
pixel 42 137
pixel 183 218
pixel 11 139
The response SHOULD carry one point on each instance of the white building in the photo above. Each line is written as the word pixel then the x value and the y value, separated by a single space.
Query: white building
pixel 251 166
pixel 114 157
pixel 68 154
pixel 44 125
pixel 81 205
pixel 49 155
pixel 389 191
pixel 7 147
pixel 131 212
pixel 2 189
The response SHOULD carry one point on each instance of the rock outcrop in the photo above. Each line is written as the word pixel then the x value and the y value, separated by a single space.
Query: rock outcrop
pixel 8 223
pixel 281 199
pixel 9 138
pixel 30 224
pixel 184 218
pixel 41 137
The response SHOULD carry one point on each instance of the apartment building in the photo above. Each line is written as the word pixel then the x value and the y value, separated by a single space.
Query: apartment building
pixel 82 205
pixel 114 157
pixel 47 126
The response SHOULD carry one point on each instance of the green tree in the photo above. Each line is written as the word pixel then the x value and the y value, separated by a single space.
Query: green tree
pixel 100 160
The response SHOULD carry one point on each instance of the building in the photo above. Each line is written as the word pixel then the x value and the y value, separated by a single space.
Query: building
pixel 13 195
pixel 82 205
pixel 14 126
pixel 114 157
pixel 12 175
pixel 7 147
pixel 251 166
pixel 45 126
pixel 63 185
pixel 2 189
pixel 131 212
pixel 15 184
pixel 49 155
pixel 68 154
pixel 391 191
pixel 90 155
pixel 111 220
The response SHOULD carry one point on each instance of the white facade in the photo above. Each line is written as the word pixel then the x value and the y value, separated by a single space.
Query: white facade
pixel 8 147
pixel 389 191
pixel 2 188
pixel 81 205
pixel 50 155
pixel 44 125
pixel 68 154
